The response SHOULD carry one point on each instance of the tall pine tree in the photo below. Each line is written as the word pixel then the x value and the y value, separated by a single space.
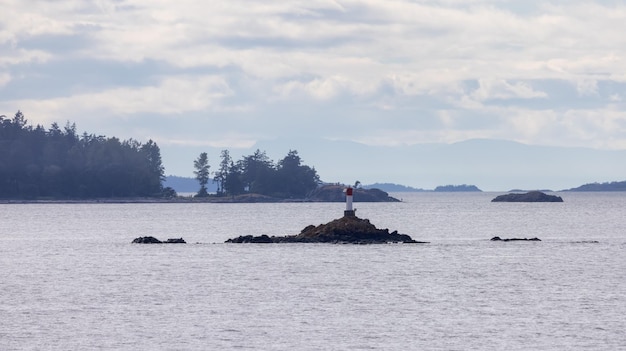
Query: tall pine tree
pixel 202 173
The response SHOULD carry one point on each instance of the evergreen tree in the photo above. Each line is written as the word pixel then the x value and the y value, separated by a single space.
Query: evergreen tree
pixel 156 172
pixel 202 173
pixel 221 175
pixel 295 179
pixel 233 183
pixel 257 171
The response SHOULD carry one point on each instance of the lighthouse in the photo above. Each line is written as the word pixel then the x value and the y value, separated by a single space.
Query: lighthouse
pixel 349 212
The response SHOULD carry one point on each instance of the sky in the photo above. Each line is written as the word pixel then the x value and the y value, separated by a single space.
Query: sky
pixel 193 74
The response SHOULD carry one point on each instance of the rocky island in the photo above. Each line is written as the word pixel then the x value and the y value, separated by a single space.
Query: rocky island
pixel 532 196
pixel 345 230
pixel 608 186
pixel 324 193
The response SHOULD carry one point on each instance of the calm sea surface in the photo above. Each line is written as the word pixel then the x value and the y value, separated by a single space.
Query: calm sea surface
pixel 71 280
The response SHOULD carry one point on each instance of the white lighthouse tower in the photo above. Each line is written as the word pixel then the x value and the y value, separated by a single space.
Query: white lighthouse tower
pixel 349 212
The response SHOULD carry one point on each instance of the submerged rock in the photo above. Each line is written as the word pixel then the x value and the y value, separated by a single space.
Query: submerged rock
pixel 345 230
pixel 532 196
pixel 153 240
pixel 249 239
pixel 497 238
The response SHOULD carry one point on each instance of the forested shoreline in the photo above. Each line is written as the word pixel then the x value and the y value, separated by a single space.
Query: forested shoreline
pixel 288 178
pixel 57 163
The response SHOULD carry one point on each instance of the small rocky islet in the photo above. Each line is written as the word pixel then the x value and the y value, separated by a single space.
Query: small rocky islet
pixel 153 240
pixel 345 230
pixel 497 238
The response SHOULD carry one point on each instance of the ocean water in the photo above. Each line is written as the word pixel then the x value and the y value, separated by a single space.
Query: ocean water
pixel 71 280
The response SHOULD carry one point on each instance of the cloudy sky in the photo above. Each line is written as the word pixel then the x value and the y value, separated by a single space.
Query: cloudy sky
pixel 226 74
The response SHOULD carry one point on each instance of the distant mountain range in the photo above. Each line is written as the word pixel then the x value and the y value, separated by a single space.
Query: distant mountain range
pixel 491 165
pixel 392 188
pixel 397 188
pixel 187 185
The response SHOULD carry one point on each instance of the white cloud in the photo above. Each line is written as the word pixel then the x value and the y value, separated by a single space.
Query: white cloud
pixel 501 89
pixel 21 19
pixel 602 128
pixel 21 56
pixel 324 88
pixel 474 68
pixel 172 96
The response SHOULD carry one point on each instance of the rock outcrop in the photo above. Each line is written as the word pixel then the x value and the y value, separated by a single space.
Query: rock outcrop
pixel 497 238
pixel 345 230
pixel 532 196
pixel 153 240
pixel 335 193
pixel 147 240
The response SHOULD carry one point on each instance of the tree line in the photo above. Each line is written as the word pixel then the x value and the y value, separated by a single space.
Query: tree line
pixel 58 163
pixel 288 178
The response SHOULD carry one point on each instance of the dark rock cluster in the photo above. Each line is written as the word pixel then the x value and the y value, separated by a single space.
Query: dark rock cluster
pixel 249 239
pixel 532 196
pixel 345 230
pixel 497 238
pixel 153 240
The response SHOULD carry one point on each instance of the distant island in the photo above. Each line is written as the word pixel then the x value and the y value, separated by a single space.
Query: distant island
pixel 457 188
pixel 532 196
pixel 392 188
pixel 397 188
pixel 612 186
pixel 324 193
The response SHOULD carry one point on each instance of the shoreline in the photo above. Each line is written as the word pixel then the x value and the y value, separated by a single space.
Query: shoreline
pixel 325 194
pixel 180 200
pixel 141 201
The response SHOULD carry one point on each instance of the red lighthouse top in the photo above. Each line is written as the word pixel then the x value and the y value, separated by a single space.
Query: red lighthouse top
pixel 349 191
